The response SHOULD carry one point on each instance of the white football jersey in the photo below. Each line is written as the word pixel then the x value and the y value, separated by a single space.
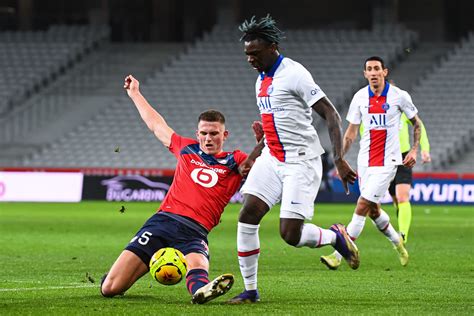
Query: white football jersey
pixel 284 97
pixel 379 143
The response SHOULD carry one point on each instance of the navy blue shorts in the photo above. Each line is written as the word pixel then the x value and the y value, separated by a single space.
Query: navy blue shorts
pixel 169 230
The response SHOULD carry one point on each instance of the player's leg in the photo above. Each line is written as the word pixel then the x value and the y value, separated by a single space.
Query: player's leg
pixel 248 246
pixel 378 182
pixel 134 260
pixel 373 184
pixel 261 190
pixel 197 280
pixel 126 270
pixel 300 187
pixel 353 229
pixel 382 221
pixel 404 209
pixel 392 191
pixel 404 180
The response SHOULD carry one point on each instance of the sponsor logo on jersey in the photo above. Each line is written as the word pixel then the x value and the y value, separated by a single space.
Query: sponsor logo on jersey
pixel 378 120
pixel 204 177
pixel 202 164
pixel 264 103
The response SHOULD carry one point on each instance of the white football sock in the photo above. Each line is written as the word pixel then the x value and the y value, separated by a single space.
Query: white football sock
pixel 313 236
pixel 248 247
pixel 355 227
pixel 383 224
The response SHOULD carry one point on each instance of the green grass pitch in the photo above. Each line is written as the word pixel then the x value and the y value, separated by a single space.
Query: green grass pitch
pixel 52 256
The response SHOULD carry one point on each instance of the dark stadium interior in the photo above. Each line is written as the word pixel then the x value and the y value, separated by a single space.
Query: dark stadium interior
pixel 60 115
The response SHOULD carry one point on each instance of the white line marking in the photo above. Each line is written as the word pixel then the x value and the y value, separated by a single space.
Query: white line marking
pixel 48 288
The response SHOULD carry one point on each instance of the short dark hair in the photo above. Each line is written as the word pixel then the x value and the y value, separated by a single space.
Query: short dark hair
pixel 375 58
pixel 211 116
pixel 264 29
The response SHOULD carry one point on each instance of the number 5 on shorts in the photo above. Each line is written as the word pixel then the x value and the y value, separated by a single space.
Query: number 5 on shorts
pixel 143 239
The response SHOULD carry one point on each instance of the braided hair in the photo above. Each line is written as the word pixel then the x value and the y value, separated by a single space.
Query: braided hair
pixel 264 29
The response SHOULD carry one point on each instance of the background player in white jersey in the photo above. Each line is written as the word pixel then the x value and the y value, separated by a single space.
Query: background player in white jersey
pixel 289 169
pixel 378 107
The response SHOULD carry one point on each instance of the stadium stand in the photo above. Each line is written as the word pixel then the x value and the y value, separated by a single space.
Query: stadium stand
pixel 30 62
pixel 30 59
pixel 447 113
pixel 213 73
pixel 86 91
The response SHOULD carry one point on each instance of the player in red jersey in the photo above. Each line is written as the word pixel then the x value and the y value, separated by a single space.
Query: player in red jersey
pixel 206 177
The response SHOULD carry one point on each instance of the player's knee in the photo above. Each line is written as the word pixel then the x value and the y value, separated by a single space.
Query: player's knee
pixel 372 208
pixel 292 238
pixel 374 213
pixel 109 288
pixel 402 198
pixel 253 210
pixel 251 216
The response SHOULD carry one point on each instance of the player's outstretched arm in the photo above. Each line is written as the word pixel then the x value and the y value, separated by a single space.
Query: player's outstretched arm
pixel 327 111
pixel 246 165
pixel 155 122
pixel 410 158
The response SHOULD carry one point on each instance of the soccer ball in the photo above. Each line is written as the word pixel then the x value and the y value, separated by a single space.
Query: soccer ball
pixel 168 266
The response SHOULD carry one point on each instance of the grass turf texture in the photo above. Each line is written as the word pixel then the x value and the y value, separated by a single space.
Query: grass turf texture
pixel 51 253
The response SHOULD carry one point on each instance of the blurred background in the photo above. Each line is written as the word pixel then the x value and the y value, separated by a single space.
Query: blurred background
pixel 63 108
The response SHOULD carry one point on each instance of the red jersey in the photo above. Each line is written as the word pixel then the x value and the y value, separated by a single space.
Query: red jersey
pixel 203 184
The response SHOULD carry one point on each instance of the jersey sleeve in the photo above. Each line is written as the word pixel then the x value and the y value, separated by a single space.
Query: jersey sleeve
pixel 178 142
pixel 307 89
pixel 239 156
pixel 353 115
pixel 407 106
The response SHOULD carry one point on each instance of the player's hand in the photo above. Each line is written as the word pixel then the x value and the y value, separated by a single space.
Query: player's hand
pixel 245 167
pixel 131 85
pixel 346 173
pixel 410 159
pixel 257 130
pixel 425 156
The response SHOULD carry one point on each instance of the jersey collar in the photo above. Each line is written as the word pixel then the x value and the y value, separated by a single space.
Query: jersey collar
pixel 384 92
pixel 271 73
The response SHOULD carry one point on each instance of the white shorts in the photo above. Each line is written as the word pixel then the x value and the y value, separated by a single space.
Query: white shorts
pixel 374 181
pixel 295 184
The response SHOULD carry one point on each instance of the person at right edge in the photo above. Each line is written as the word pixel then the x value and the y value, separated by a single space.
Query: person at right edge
pixel 378 107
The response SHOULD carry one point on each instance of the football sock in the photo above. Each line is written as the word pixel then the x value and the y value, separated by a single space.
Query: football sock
pixel 404 218
pixel 248 248
pixel 355 227
pixel 383 224
pixel 195 279
pixel 313 236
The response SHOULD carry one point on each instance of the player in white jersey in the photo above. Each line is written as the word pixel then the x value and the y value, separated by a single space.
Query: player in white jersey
pixel 378 107
pixel 289 169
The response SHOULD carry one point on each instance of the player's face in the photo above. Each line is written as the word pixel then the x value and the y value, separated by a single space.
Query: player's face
pixel 260 55
pixel 375 73
pixel 211 136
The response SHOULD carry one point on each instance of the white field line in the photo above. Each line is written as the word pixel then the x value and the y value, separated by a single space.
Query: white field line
pixel 49 288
